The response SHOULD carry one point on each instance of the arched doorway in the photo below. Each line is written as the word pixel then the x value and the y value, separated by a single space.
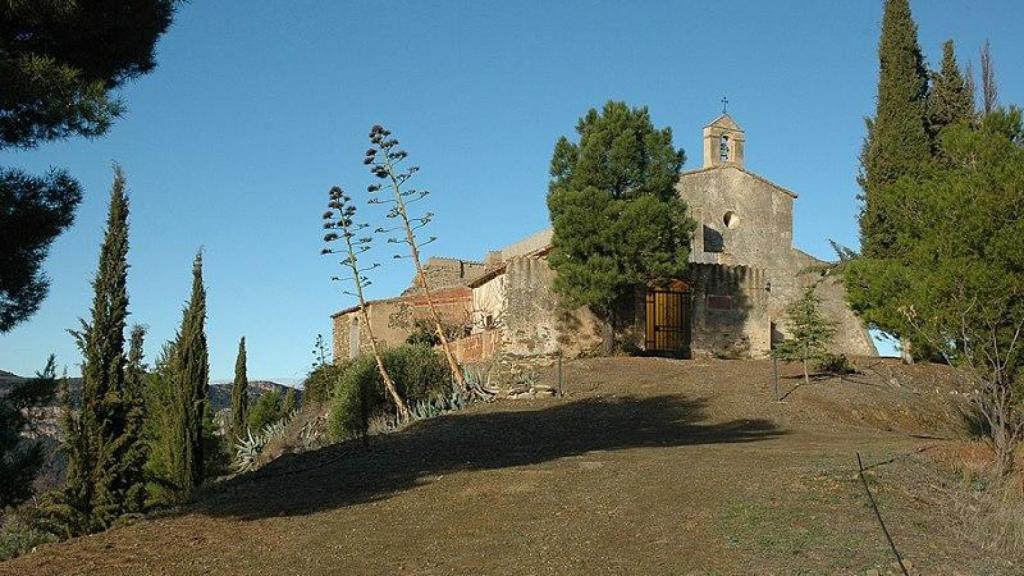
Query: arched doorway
pixel 668 319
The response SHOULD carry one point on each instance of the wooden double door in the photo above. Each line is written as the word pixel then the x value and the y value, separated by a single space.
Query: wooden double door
pixel 668 329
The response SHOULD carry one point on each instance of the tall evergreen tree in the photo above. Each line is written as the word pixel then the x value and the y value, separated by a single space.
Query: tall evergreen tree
pixel 105 477
pixel 240 394
pixel 289 404
pixel 897 144
pixel 950 99
pixel 192 375
pixel 164 429
pixel 618 222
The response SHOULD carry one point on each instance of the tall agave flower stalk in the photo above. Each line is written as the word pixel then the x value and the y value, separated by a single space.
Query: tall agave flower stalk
pixel 339 221
pixel 384 158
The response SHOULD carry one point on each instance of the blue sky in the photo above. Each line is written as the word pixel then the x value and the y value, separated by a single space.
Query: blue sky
pixel 257 108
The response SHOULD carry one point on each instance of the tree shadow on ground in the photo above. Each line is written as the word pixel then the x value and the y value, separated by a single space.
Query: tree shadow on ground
pixel 350 473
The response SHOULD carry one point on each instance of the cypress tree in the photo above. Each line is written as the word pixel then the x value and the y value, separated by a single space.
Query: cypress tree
pixel 897 143
pixel 191 374
pixel 950 99
pixel 105 457
pixel 240 394
pixel 164 429
pixel 289 404
pixel 133 461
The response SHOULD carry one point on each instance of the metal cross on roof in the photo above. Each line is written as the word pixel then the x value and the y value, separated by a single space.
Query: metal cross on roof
pixel 725 104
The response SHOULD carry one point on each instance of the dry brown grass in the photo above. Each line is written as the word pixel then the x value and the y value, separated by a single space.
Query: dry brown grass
pixel 645 466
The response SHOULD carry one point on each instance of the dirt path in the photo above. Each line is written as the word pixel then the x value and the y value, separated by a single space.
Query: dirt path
pixel 644 467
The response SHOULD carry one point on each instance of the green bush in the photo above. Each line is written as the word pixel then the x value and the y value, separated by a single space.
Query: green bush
pixel 21 533
pixel 423 334
pixel 317 387
pixel 266 410
pixel 419 372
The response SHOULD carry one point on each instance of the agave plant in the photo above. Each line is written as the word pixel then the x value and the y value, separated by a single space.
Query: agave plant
pixel 247 451
pixel 478 383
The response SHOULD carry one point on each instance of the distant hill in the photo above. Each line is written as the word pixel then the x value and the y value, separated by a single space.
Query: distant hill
pixel 220 392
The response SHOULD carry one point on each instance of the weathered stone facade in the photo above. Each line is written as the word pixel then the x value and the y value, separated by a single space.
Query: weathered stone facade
pixel 519 300
pixel 746 220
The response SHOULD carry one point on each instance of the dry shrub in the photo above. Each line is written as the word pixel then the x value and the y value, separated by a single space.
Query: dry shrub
pixel 993 516
pixel 989 510
pixel 306 430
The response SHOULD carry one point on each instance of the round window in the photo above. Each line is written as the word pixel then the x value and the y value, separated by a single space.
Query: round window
pixel 730 219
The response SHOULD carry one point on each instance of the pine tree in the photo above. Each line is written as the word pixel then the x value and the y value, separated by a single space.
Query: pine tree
pixel 811 332
pixel 950 99
pixel 964 293
pixel 105 477
pixel 618 221
pixel 240 394
pixel 61 67
pixel 191 373
pixel 897 144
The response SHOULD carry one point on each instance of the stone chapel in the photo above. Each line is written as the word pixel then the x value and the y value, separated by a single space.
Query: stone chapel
pixel 744 271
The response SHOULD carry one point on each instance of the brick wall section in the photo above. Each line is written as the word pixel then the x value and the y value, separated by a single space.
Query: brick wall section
pixel 479 347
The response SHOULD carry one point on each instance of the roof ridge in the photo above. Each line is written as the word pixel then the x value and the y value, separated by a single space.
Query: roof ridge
pixel 752 174
pixel 454 259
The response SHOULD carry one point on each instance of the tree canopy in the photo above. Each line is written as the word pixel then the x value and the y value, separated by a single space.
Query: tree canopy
pixel 60 65
pixel 618 222
pixel 960 283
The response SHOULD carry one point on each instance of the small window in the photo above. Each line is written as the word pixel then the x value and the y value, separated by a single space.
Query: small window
pixel 713 240
pixel 723 149
pixel 731 220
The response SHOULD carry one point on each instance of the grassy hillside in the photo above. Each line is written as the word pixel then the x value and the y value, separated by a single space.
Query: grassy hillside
pixel 644 466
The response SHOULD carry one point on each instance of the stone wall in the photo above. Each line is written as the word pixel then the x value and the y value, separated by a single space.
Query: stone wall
pixel 489 300
pixel 744 219
pixel 533 322
pixel 393 320
pixel 730 311
pixel 444 273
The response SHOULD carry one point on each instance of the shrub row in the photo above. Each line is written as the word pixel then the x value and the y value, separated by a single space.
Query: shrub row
pixel 356 391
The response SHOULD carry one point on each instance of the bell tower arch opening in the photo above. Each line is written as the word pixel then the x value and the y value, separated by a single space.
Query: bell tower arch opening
pixel 723 143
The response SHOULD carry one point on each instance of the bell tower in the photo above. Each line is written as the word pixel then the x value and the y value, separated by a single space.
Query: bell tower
pixel 723 143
